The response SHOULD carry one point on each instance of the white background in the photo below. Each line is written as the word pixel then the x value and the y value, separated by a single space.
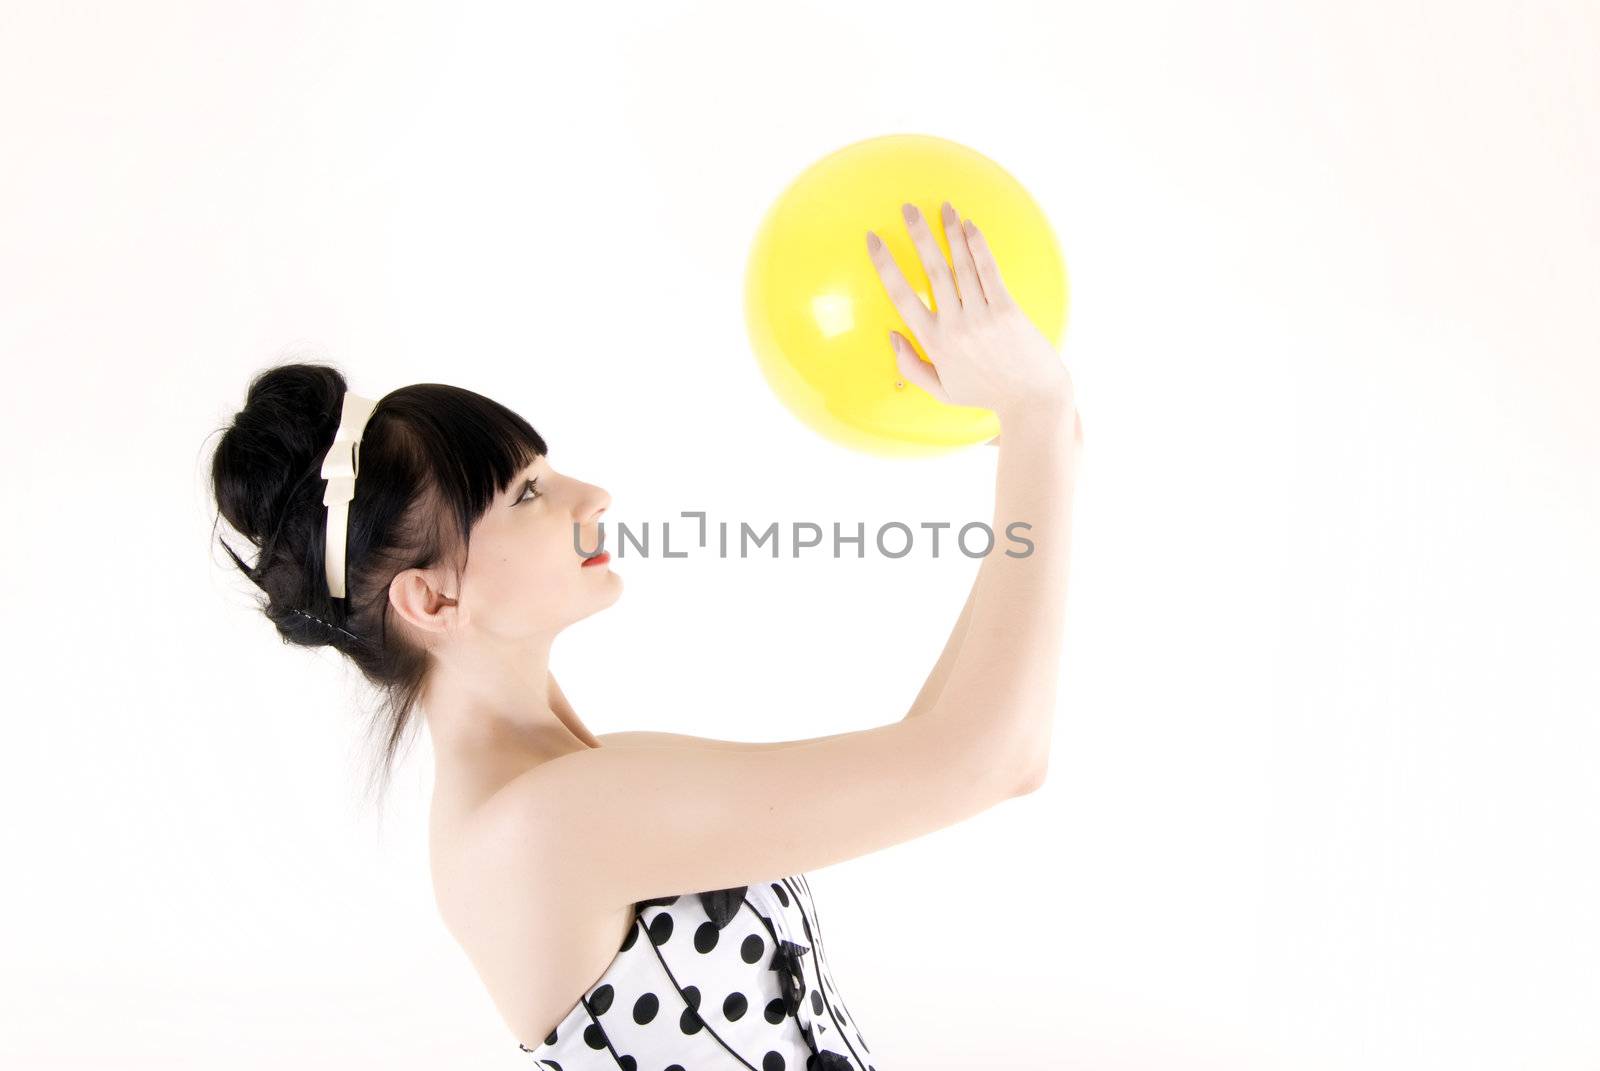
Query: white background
pixel 1324 784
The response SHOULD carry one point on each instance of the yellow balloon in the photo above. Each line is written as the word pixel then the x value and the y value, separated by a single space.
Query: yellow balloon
pixel 816 309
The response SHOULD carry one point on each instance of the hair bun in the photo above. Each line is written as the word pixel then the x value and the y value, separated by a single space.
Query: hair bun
pixel 269 462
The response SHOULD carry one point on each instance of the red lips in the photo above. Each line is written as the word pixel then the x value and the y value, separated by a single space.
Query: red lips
pixel 598 559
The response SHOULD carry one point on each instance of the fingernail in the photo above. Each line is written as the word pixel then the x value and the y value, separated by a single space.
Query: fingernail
pixel 949 213
pixel 874 243
pixel 909 210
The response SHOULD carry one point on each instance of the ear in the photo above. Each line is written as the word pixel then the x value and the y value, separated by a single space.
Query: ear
pixel 417 596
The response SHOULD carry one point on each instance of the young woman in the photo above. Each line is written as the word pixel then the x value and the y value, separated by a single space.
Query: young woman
pixel 639 899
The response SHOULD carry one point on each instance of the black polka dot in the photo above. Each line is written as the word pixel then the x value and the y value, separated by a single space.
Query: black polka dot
pixel 752 949
pixel 737 981
pixel 690 1022
pixel 600 1000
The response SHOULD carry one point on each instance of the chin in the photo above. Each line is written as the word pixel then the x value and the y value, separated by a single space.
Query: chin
pixel 612 592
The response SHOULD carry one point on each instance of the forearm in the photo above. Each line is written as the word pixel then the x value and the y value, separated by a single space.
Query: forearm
pixel 1001 683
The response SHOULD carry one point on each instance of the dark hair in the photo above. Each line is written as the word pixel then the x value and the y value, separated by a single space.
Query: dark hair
pixel 432 459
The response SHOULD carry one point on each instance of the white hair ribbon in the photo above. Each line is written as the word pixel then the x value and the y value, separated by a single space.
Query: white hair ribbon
pixel 339 468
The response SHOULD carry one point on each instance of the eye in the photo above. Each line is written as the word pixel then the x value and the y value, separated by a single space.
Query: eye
pixel 531 485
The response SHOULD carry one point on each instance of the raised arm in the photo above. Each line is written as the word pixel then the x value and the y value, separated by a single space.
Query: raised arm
pixel 954 644
pixel 671 820
pixel 1009 659
pixel 1003 653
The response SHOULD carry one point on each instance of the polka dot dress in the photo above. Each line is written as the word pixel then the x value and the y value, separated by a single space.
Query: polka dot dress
pixel 734 978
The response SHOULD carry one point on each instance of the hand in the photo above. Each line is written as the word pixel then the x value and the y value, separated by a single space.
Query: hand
pixel 982 348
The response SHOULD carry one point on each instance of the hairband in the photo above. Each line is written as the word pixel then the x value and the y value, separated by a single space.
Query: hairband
pixel 339 468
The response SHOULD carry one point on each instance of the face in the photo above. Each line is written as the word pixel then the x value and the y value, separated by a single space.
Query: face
pixel 525 575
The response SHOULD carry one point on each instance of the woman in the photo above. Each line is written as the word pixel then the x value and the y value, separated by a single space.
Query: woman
pixel 553 850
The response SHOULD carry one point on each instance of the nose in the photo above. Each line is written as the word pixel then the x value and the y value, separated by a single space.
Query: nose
pixel 593 503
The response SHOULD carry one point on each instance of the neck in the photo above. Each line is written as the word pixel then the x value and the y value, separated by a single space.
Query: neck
pixel 498 706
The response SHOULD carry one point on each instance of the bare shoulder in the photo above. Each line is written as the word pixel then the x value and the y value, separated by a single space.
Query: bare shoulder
pixel 480 855
pixel 534 939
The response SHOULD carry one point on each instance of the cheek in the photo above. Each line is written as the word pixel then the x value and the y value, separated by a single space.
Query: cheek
pixel 551 564
pixel 505 572
pixel 528 573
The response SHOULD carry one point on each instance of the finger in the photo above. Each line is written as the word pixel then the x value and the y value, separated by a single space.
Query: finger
pixel 994 290
pixel 914 369
pixel 934 266
pixel 905 300
pixel 961 259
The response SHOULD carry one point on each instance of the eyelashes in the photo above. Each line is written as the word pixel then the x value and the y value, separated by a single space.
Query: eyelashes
pixel 531 485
